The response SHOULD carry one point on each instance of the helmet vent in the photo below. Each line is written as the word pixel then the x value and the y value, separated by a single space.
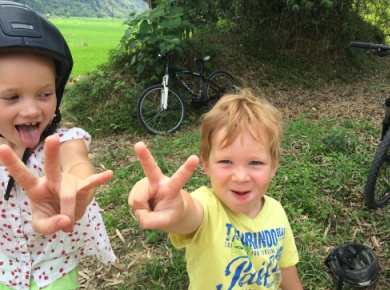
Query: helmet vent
pixel 21 26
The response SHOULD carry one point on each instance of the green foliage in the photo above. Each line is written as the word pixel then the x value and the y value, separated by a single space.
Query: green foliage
pixel 108 101
pixel 161 29
pixel 313 28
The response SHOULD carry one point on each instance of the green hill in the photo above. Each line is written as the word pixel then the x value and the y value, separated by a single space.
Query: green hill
pixel 87 8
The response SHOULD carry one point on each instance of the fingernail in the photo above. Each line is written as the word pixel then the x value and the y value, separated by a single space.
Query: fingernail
pixel 62 223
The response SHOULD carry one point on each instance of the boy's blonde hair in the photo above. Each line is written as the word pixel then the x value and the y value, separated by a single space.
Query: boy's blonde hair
pixel 242 113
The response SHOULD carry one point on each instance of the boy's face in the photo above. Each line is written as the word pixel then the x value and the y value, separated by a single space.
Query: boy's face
pixel 27 97
pixel 240 173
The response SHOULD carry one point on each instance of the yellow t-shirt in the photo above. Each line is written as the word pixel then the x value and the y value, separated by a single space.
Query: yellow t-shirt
pixel 232 251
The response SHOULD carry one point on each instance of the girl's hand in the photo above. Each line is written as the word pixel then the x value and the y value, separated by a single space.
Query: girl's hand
pixel 57 199
pixel 158 200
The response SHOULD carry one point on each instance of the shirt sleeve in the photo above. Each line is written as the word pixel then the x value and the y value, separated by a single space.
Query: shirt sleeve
pixel 66 134
pixel 290 255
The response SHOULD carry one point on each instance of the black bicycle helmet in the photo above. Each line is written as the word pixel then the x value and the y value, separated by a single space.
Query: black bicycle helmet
pixel 354 264
pixel 23 29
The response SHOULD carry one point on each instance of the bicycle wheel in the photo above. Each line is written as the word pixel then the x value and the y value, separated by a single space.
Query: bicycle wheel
pixel 154 117
pixel 377 191
pixel 218 84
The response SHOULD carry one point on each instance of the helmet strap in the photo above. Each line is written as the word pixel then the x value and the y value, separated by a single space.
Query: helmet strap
pixel 56 120
pixel 11 180
pixel 333 257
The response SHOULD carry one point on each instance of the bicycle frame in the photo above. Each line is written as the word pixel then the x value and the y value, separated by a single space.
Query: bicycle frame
pixel 172 71
pixel 176 72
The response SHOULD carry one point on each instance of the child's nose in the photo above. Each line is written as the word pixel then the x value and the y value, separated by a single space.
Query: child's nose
pixel 240 174
pixel 30 109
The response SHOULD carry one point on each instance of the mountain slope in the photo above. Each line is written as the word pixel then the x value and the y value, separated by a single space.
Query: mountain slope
pixel 87 8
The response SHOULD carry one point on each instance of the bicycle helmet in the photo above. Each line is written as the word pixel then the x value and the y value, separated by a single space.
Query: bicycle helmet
pixel 25 30
pixel 354 264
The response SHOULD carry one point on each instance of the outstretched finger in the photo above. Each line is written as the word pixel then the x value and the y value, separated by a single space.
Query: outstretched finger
pixel 16 168
pixel 52 159
pixel 95 181
pixel 149 165
pixel 184 173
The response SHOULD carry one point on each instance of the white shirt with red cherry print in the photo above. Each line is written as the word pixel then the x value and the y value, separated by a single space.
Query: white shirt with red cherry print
pixel 25 253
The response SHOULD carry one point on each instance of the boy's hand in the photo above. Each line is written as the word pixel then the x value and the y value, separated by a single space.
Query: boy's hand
pixel 157 199
pixel 57 199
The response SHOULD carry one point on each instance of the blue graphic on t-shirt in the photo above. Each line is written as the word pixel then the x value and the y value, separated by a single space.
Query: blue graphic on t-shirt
pixel 244 245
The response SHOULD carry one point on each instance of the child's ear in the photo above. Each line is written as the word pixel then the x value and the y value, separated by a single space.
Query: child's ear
pixel 205 166
pixel 275 167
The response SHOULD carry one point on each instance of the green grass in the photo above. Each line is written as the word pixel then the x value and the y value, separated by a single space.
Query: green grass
pixel 320 180
pixel 90 40
pixel 320 183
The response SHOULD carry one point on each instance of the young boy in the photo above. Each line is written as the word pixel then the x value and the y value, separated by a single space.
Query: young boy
pixel 236 237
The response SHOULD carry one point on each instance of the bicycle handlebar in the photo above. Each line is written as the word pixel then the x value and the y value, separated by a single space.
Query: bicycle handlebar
pixel 373 48
pixel 164 54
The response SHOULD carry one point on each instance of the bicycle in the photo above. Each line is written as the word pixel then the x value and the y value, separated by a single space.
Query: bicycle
pixel 162 109
pixel 377 188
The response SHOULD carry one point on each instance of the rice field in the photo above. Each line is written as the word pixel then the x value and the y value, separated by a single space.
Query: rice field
pixel 90 40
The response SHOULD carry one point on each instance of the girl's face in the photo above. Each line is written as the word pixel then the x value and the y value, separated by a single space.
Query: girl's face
pixel 27 97
pixel 240 173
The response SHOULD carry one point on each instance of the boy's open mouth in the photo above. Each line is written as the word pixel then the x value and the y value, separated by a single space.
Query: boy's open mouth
pixel 241 193
pixel 29 134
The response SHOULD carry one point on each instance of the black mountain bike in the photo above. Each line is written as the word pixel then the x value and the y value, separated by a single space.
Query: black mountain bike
pixel 377 190
pixel 161 108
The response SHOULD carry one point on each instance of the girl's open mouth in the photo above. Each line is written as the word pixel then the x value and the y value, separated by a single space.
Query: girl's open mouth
pixel 29 133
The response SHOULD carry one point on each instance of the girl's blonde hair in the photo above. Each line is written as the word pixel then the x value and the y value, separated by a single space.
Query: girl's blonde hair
pixel 242 113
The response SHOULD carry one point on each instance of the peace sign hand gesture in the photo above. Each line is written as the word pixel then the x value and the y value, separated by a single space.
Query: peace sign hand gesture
pixel 57 199
pixel 159 201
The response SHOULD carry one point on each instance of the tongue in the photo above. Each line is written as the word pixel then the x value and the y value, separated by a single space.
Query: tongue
pixel 29 134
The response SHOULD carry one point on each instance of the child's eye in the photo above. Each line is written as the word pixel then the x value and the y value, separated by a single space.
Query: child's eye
pixel 46 94
pixel 256 163
pixel 10 98
pixel 225 161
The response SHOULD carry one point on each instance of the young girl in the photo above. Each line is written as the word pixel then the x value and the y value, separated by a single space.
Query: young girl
pixel 50 219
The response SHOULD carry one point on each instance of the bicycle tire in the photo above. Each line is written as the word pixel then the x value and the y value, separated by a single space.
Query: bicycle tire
pixel 155 119
pixel 218 84
pixel 377 190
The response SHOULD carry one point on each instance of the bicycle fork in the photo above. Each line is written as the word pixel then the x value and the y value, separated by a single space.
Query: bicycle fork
pixel 164 92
